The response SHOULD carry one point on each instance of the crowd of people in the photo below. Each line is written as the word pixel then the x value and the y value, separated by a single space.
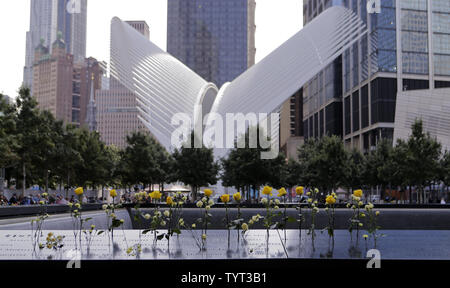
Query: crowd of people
pixel 34 199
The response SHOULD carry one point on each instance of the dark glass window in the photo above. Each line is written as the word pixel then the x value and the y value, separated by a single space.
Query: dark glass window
pixel 364 107
pixel 75 101
pixel 410 84
pixel 338 77
pixel 366 141
pixel 442 84
pixel 355 108
pixel 305 129
pixel 316 124
pixel 311 127
pixel 347 115
pixel 333 118
pixel 76 116
pixel 383 96
pixel 322 121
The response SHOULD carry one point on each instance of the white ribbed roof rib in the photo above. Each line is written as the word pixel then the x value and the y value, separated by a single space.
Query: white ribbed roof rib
pixel 165 86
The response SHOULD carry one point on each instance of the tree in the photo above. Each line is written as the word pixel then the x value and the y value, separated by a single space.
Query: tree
pixel 139 164
pixel 323 162
pixel 445 169
pixel 48 135
pixel 28 130
pixel 245 170
pixel 67 156
pixel 8 140
pixel 163 170
pixel 308 157
pixel 378 168
pixel 196 166
pixel 354 170
pixel 293 173
pixel 91 171
pixel 425 153
pixel 401 175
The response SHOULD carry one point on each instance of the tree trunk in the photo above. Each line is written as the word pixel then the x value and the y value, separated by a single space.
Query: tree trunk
pixel 46 181
pixel 2 180
pixel 24 179
pixel 410 194
pixel 68 185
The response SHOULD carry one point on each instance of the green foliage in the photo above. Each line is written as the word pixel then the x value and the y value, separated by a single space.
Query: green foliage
pixel 323 162
pixel 244 167
pixel 195 166
pixel 355 169
pixel 8 139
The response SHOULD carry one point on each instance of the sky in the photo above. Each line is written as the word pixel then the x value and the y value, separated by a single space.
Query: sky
pixel 276 21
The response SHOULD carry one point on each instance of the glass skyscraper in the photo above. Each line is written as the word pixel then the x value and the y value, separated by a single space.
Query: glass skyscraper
pixel 215 38
pixel 406 47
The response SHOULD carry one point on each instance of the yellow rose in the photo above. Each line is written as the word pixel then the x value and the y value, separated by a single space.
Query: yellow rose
pixel 79 191
pixel 237 197
pixel 267 191
pixel 282 192
pixel 358 193
pixel 330 200
pixel 244 227
pixel 156 195
pixel 299 190
pixel 169 201
pixel 113 193
pixel 225 198
pixel 208 192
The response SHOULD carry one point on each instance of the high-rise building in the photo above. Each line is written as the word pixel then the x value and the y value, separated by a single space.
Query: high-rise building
pixel 47 19
pixel 62 86
pixel 140 26
pixel 291 125
pixel 117 112
pixel 214 38
pixel 52 80
pixel 406 47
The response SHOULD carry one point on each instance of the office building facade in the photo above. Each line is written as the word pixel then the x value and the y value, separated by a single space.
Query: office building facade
pixel 117 112
pixel 406 47
pixel 62 86
pixel 48 18
pixel 214 38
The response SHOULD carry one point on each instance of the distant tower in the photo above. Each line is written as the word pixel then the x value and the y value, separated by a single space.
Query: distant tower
pixel 91 118
pixel 47 19
pixel 215 38
pixel 140 26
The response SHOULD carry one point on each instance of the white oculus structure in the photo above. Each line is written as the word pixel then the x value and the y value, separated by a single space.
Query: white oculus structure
pixel 164 86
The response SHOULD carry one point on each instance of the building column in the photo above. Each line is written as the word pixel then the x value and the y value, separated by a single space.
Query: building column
pixel 430 44
pixel 398 27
